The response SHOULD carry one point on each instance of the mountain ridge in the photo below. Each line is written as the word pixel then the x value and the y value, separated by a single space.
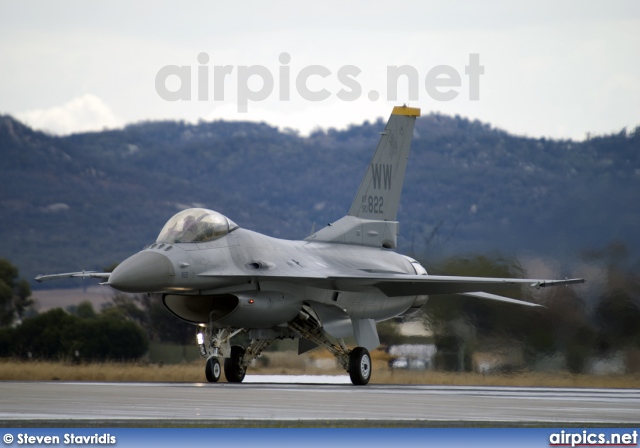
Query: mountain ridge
pixel 87 200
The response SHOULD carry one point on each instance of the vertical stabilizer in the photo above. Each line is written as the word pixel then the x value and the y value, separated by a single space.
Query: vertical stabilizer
pixel 379 193
pixel 372 218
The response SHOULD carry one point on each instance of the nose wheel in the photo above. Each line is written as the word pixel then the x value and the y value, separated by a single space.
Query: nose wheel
pixel 212 370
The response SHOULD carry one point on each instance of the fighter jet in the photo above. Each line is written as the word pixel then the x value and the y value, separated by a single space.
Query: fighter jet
pixel 336 283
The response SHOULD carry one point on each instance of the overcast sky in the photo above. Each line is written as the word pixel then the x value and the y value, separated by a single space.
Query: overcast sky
pixel 550 68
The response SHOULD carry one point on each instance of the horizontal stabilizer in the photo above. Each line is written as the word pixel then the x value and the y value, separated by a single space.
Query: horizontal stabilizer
pixel 486 295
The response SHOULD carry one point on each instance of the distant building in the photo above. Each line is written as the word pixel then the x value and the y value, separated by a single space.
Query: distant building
pixel 412 356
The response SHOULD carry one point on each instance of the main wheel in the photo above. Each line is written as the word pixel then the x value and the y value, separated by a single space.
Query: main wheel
pixel 212 370
pixel 233 369
pixel 359 366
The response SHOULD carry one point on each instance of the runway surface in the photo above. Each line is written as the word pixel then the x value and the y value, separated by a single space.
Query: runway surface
pixel 202 402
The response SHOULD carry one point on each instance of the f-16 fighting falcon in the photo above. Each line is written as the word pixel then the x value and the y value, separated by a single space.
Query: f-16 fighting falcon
pixel 334 284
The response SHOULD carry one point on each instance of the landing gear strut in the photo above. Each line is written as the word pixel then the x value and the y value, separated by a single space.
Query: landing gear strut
pixel 217 346
pixel 237 359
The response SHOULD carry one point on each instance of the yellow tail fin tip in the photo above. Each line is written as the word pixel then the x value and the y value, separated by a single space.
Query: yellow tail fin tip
pixel 404 110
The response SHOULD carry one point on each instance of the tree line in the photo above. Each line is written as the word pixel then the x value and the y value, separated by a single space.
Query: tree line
pixel 576 324
pixel 79 333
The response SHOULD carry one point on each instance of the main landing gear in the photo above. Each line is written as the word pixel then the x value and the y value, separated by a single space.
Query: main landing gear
pixel 356 362
pixel 359 366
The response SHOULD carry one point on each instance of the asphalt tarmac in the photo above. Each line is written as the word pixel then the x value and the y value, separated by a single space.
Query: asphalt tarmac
pixel 78 402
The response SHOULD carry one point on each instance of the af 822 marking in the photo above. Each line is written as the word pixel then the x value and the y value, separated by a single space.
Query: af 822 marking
pixel 372 204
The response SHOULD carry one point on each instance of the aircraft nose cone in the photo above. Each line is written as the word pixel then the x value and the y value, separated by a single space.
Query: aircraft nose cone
pixel 143 272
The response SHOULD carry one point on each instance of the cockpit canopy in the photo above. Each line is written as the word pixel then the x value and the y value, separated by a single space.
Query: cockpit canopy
pixel 195 225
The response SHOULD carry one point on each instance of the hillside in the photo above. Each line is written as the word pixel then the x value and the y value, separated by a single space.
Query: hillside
pixel 88 200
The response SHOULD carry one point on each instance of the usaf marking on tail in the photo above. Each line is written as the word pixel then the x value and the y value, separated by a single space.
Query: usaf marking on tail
pixel 336 283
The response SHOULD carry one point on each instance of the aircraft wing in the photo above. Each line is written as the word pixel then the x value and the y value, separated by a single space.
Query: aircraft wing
pixel 400 285
pixel 397 285
pixel 82 274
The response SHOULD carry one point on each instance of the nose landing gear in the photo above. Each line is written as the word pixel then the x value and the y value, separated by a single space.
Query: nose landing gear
pixel 234 370
pixel 236 358
pixel 212 370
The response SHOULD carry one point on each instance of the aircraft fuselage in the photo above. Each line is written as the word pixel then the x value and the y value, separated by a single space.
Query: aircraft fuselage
pixel 245 263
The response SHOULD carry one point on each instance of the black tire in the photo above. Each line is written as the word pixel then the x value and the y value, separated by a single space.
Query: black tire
pixel 212 370
pixel 359 366
pixel 233 370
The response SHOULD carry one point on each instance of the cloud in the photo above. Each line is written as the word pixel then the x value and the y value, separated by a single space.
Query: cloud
pixel 81 114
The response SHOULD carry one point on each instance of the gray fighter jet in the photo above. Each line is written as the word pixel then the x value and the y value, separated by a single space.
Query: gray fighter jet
pixel 336 283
